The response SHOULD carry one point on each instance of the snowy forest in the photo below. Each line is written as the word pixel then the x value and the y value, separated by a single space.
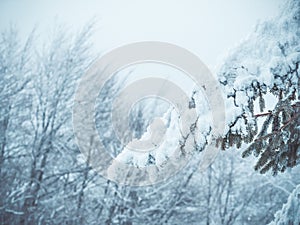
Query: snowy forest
pixel 254 179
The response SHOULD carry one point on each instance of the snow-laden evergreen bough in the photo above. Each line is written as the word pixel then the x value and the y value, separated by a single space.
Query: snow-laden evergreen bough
pixel 290 212
pixel 261 80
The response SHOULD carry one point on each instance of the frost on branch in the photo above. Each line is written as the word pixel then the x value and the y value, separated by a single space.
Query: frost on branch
pixel 289 214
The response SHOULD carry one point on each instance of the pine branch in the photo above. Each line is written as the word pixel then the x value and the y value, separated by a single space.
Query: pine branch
pixel 280 129
pixel 263 114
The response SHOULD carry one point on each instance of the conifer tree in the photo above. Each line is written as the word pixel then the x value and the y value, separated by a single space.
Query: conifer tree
pixel 262 81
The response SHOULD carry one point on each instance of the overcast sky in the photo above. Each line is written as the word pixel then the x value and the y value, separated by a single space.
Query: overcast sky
pixel 208 28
